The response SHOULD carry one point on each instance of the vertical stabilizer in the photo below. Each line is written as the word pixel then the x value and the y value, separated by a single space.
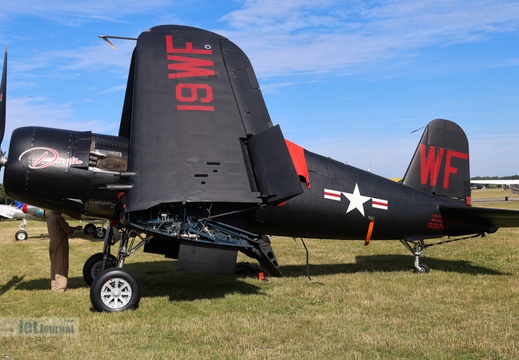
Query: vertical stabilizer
pixel 440 164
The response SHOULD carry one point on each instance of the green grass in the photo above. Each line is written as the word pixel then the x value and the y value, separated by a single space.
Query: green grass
pixel 363 303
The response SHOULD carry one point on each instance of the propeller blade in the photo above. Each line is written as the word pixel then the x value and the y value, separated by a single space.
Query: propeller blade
pixel 3 98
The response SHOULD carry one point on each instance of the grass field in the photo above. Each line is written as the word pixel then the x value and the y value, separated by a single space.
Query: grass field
pixel 363 303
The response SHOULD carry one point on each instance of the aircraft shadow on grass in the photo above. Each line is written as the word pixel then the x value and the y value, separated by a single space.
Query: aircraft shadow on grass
pixel 388 263
pixel 15 280
pixel 158 276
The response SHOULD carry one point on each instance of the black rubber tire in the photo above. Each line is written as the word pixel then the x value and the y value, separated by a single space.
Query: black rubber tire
pixel 21 235
pixel 99 233
pixel 93 265
pixel 89 229
pixel 425 269
pixel 115 290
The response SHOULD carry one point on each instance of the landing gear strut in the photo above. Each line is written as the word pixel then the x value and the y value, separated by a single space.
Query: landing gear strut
pixel 417 247
pixel 113 288
pixel 21 234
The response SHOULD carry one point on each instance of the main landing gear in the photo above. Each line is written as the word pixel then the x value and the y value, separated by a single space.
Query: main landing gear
pixel 115 289
pixel 96 264
pixel 98 232
pixel 21 234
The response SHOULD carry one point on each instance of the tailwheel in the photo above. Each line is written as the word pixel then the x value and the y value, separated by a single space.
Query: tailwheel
pixel 94 266
pixel 417 247
pixel 115 290
pixel 424 269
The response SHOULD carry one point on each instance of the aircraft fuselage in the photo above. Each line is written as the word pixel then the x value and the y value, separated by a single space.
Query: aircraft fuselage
pixel 343 200
pixel 79 173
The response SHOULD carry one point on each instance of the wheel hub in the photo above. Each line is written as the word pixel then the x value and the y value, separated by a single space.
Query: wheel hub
pixel 116 293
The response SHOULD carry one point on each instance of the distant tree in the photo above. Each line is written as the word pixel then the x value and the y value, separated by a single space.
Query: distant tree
pixel 4 199
pixel 510 177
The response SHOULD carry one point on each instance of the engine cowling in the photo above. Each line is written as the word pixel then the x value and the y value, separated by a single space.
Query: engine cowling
pixel 71 171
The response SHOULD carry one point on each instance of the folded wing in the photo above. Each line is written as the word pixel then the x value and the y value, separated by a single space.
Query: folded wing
pixel 192 110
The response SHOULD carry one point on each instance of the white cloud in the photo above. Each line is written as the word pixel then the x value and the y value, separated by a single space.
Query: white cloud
pixel 294 37
pixel 76 12
pixel 43 112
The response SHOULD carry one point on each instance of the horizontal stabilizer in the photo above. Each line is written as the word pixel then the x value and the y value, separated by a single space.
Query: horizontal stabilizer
pixel 459 219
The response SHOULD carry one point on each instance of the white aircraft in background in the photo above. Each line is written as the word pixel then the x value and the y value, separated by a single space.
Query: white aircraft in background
pixel 495 182
pixel 25 212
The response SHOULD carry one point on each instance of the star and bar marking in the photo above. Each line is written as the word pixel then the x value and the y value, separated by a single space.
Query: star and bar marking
pixel 357 200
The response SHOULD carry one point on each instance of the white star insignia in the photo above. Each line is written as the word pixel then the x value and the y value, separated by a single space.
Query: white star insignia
pixel 356 200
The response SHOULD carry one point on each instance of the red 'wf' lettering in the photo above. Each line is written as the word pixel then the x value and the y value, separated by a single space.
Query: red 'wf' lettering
pixel 430 164
pixel 189 67
pixel 450 169
pixel 194 97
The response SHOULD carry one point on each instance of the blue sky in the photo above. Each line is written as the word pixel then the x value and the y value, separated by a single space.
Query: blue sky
pixel 347 79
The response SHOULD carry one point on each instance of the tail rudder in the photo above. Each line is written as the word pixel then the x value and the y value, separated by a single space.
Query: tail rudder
pixel 440 164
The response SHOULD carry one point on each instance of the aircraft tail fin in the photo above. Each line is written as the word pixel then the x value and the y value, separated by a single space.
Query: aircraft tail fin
pixel 440 164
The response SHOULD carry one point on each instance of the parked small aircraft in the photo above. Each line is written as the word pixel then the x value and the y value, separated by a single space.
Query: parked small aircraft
pixel 199 172
pixel 25 212
pixel 495 182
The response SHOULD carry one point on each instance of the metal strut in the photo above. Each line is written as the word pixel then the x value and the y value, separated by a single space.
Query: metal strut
pixel 307 259
pixel 126 247
pixel 210 233
pixel 416 247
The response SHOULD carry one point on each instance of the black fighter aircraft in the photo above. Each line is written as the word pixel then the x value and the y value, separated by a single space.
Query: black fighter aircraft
pixel 198 172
